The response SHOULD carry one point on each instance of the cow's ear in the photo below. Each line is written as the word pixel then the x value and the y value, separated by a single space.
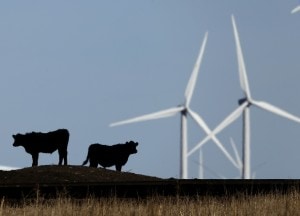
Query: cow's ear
pixel 14 136
pixel 136 144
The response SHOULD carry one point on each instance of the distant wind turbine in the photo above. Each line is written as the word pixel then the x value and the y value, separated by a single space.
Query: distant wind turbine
pixel 237 156
pixel 245 104
pixel 296 9
pixel 202 167
pixel 183 110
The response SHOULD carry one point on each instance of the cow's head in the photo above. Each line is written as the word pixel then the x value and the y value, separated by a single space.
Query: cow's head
pixel 17 140
pixel 132 147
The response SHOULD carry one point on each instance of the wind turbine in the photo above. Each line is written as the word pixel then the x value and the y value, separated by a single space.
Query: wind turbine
pixel 237 156
pixel 184 110
pixel 296 9
pixel 244 105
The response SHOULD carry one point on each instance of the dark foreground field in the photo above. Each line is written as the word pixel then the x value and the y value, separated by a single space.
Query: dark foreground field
pixel 54 174
pixel 81 182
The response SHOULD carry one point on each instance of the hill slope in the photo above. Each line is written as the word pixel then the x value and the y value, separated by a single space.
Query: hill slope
pixel 54 174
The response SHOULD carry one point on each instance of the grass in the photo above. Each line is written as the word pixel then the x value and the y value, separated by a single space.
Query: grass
pixel 264 204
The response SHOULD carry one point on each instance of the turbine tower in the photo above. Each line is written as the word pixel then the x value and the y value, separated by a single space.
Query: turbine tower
pixel 244 105
pixel 184 110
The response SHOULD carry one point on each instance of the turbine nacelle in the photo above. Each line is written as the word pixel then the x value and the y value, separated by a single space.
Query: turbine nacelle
pixel 242 100
pixel 184 111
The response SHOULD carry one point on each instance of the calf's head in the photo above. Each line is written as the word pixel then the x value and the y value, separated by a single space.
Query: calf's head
pixel 17 140
pixel 132 147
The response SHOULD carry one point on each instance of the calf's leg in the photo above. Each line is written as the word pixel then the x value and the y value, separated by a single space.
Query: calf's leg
pixel 35 157
pixel 62 156
pixel 66 158
pixel 93 162
pixel 118 167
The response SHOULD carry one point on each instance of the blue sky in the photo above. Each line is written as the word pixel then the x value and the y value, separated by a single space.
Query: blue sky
pixel 82 65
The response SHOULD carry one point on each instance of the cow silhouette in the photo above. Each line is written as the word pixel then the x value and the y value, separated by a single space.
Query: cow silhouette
pixel 108 156
pixel 37 142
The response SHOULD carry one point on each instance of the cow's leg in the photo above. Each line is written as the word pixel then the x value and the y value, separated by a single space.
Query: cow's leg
pixel 66 158
pixel 118 167
pixel 62 156
pixel 35 157
pixel 93 162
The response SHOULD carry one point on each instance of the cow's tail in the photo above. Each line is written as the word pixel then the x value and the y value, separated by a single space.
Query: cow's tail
pixel 87 159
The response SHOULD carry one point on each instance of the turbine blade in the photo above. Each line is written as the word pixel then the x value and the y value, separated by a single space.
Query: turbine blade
pixel 151 116
pixel 296 9
pixel 192 82
pixel 225 152
pixel 276 110
pixel 231 118
pixel 219 145
pixel 241 63
pixel 207 130
pixel 198 119
pixel 227 121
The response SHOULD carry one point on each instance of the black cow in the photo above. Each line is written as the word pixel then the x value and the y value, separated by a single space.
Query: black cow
pixel 108 156
pixel 45 143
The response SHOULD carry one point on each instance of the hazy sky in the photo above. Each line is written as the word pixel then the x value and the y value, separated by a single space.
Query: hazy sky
pixel 82 65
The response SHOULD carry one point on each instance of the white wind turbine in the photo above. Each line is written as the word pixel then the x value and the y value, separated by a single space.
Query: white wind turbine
pixel 183 110
pixel 245 104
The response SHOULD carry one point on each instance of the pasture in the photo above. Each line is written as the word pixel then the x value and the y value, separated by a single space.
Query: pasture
pixel 261 204
pixel 78 190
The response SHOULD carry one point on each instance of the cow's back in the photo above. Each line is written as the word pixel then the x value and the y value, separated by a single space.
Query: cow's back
pixel 104 154
pixel 51 141
pixel 48 142
pixel 111 155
